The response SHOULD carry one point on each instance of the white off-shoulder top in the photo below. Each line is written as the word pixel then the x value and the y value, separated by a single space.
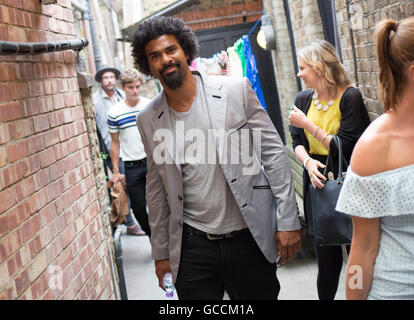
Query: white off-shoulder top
pixel 389 196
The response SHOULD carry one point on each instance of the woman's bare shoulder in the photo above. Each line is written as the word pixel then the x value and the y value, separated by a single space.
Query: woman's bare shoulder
pixel 369 155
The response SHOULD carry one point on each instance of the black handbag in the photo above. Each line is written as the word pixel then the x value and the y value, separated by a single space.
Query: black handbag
pixel 331 227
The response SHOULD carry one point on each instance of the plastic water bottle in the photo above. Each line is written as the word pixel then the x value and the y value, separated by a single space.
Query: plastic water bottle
pixel 168 285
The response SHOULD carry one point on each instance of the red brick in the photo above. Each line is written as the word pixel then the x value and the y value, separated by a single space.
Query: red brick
pixel 30 228
pixel 65 132
pixel 32 5
pixel 52 137
pixel 41 123
pixel 68 15
pixel 31 107
pixel 68 235
pixel 61 150
pixel 17 151
pixel 46 104
pixel 57 25
pixel 40 70
pixel 73 145
pixel 12 174
pixel 34 35
pixel 14 264
pixel 37 289
pixel 47 157
pixel 65 3
pixel 18 90
pixel 56 118
pixel 51 86
pixel 36 88
pixel 21 282
pixel 25 188
pixel 58 101
pixel 8 15
pixel 62 85
pixel 73 84
pixel 42 178
pixel 13 3
pixel 75 193
pixel 4 92
pixel 35 246
pixel 24 70
pixel 11 111
pixel 54 248
pixel 36 143
pixel 4 225
pixel 16 34
pixel 24 128
pixel 30 165
pixel 5 133
pixel 9 244
pixel 18 215
pixel 39 22
pixel 7 72
pixel 37 201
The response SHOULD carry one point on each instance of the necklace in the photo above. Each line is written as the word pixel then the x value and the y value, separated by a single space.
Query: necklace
pixel 319 105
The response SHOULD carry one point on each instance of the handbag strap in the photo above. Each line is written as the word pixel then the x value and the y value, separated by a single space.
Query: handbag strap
pixel 341 160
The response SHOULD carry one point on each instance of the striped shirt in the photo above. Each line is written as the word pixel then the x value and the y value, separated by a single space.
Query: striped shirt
pixel 122 120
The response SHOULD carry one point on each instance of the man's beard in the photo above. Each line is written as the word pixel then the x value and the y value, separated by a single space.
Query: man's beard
pixel 173 80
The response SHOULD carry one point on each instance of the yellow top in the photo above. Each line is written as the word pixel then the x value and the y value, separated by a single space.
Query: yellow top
pixel 328 121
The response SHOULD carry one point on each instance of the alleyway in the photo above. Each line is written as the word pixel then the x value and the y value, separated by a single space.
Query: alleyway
pixel 298 278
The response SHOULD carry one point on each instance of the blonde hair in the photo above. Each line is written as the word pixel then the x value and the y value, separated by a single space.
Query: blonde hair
pixel 321 56
pixel 395 52
pixel 130 75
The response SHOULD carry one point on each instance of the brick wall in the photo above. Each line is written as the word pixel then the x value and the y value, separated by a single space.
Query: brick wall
pixel 363 17
pixel 151 6
pixel 53 239
pixel 219 13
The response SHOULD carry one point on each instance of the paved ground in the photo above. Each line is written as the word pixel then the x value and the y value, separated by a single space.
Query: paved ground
pixel 297 278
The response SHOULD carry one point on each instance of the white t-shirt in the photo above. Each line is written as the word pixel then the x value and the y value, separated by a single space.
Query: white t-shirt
pixel 122 119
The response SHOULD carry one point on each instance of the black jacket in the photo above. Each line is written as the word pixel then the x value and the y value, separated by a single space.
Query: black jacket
pixel 354 121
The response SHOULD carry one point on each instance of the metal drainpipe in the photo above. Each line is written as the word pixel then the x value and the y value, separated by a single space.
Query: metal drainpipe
pixel 119 263
pixel 292 42
pixel 85 21
pixel 93 35
pixel 351 36
pixel 13 47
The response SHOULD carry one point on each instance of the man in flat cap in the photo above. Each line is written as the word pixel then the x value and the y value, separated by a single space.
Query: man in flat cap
pixel 103 99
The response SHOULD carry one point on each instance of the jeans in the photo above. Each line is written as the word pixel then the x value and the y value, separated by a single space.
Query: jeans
pixel 235 265
pixel 135 172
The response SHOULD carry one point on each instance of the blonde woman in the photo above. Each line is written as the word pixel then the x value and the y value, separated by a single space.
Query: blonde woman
pixel 379 190
pixel 330 106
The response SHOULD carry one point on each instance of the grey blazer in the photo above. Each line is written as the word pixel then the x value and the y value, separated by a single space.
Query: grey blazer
pixel 266 198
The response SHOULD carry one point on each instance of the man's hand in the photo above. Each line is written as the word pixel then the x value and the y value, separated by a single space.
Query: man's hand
pixel 289 243
pixel 118 177
pixel 161 268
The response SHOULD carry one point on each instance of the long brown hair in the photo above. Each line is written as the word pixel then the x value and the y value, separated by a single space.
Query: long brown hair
pixel 322 57
pixel 395 52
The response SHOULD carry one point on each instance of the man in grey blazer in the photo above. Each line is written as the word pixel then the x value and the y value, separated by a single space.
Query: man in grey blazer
pixel 219 190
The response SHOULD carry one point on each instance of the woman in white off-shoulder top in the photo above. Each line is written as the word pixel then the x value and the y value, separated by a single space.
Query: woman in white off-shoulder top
pixel 379 189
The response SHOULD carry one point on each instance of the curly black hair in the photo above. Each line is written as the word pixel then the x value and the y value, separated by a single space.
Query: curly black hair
pixel 155 27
